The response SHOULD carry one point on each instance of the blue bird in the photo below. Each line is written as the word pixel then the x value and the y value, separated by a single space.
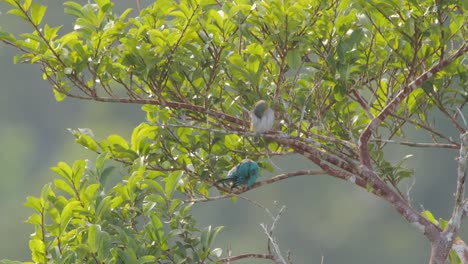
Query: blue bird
pixel 245 173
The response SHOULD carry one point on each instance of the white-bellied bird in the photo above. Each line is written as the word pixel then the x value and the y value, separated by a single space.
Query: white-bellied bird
pixel 262 117
pixel 245 173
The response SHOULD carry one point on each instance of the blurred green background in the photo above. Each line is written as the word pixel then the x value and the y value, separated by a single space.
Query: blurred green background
pixel 323 216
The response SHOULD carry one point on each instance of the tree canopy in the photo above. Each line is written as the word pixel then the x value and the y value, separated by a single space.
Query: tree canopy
pixel 345 79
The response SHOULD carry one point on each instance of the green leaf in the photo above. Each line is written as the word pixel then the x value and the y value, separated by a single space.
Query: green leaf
pixel 453 257
pixel 58 95
pixel 231 141
pixel 35 219
pixel 38 250
pixel 88 142
pixel 14 3
pixel 27 4
pixel 103 206
pixel 428 215
pixel 105 174
pixel 204 237
pixel 414 99
pixel 443 223
pixel 147 259
pixel 104 5
pixel 457 22
pixel 339 91
pixel 139 139
pixel 101 160
pixel 94 237
pixel 253 64
pixel 18 13
pixel 125 256
pixel 73 9
pixel 117 140
pixel 63 170
pixel 67 214
pixel 90 193
pixel 125 14
pixel 54 215
pixel 37 13
pixel 105 246
pixel 174 205
pixel 294 59
pixel 7 36
pixel 117 201
pixel 85 137
pixel 428 87
pixel 213 234
pixel 34 203
pixel 155 186
pixel 64 186
pixel 171 182
pixel 47 192
pixel 77 172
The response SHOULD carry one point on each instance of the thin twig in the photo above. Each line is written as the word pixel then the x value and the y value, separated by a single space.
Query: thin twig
pixel 269 233
pixel 408 190
pixel 365 158
pixel 244 256
pixel 458 210
pixel 462 117
pixel 418 144
pixel 138 5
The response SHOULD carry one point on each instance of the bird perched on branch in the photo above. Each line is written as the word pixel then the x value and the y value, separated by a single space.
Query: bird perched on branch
pixel 245 173
pixel 262 117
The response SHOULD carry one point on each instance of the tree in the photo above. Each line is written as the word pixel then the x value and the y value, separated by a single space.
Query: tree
pixel 346 79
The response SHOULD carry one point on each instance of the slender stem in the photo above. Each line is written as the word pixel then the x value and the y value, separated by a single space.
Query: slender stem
pixel 245 256
pixel 418 144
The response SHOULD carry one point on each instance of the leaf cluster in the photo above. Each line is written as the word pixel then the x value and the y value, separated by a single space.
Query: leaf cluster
pixel 137 220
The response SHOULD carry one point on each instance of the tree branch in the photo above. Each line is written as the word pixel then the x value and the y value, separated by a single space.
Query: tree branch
pixel 378 187
pixel 440 247
pixel 170 104
pixel 391 106
pixel 244 256
pixel 459 208
pixel 259 184
pixel 271 239
pixel 417 144
pixel 432 132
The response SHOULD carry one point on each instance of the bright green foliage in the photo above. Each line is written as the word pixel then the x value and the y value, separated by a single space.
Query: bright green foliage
pixel 327 67
pixel 78 219
pixel 315 59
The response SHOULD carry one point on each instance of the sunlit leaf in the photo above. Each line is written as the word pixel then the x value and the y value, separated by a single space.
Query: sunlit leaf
pixel 37 13
pixel 428 215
